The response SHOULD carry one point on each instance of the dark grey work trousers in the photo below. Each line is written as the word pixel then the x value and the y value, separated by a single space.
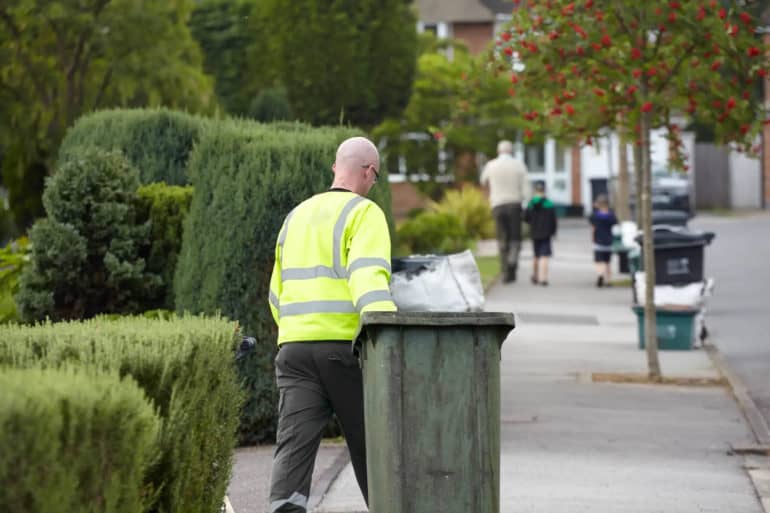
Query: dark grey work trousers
pixel 508 223
pixel 315 379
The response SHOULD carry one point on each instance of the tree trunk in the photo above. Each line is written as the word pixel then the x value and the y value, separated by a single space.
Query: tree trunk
pixel 621 191
pixel 638 185
pixel 648 256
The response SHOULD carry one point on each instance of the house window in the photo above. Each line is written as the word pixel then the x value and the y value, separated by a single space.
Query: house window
pixel 560 164
pixel 534 157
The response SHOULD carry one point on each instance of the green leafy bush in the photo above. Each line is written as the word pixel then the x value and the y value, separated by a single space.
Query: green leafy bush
pixel 86 253
pixel 74 441
pixel 247 178
pixel 13 257
pixel 165 207
pixel 157 142
pixel 433 232
pixel 183 365
pixel 470 206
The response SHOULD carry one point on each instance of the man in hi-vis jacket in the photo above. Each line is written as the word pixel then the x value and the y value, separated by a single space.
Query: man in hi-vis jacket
pixel 332 263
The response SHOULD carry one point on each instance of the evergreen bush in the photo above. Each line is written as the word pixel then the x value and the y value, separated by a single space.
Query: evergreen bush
pixel 165 207
pixel 157 142
pixel 247 178
pixel 75 441
pixel 86 253
pixel 184 366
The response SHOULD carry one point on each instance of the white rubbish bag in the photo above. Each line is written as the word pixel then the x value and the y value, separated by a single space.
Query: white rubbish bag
pixel 448 284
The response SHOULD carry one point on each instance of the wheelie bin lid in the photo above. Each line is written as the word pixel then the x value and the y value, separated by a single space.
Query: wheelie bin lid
pixel 439 319
pixel 671 236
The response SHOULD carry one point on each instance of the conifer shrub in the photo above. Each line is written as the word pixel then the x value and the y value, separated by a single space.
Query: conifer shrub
pixel 165 208
pixel 86 255
pixel 157 142
pixel 75 441
pixel 184 366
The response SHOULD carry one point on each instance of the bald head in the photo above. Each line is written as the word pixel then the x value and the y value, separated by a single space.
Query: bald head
pixel 356 165
pixel 505 147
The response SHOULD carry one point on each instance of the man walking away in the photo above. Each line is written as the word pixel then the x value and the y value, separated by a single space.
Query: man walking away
pixel 332 263
pixel 541 216
pixel 509 188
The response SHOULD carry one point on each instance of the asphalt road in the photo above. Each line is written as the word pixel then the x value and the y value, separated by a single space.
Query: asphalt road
pixel 739 312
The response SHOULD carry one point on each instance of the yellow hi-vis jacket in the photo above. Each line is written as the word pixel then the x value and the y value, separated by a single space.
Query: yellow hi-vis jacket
pixel 332 263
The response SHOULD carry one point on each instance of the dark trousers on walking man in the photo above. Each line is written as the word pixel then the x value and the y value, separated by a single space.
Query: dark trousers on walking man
pixel 315 380
pixel 508 223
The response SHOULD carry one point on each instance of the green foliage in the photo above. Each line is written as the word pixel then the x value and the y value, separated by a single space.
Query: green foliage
pixel 456 106
pixel 165 207
pixel 184 367
pixel 13 257
pixel 271 105
pixel 60 59
pixel 86 253
pixel 471 207
pixel 433 232
pixel 157 142
pixel 233 52
pixel 247 178
pixel 584 69
pixel 350 62
pixel 75 442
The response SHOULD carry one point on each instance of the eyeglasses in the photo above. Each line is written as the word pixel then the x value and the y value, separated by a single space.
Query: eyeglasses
pixel 376 174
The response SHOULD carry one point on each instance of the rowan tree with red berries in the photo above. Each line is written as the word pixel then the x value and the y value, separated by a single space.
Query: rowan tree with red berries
pixel 580 67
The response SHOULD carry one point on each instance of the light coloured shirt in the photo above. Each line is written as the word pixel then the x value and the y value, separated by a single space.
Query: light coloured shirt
pixel 507 179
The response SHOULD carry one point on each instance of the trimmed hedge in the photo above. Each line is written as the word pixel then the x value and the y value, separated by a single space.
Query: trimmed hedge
pixel 157 142
pixel 86 254
pixel 75 442
pixel 165 207
pixel 247 178
pixel 184 366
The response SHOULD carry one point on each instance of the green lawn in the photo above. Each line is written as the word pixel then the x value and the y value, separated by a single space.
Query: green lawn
pixel 490 269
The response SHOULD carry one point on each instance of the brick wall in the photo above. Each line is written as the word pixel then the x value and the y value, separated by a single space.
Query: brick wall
pixel 766 142
pixel 575 178
pixel 405 197
pixel 475 35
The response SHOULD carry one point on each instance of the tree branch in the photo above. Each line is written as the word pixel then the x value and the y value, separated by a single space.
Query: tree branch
pixel 674 69
pixel 24 58
pixel 103 87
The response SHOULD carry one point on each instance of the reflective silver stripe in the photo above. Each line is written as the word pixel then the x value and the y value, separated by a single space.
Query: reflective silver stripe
pixel 339 227
pixel 308 273
pixel 274 299
pixel 297 499
pixel 359 263
pixel 311 307
pixel 282 235
pixel 373 297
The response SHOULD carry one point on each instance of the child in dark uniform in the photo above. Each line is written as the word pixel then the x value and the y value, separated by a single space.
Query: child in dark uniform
pixel 602 219
pixel 541 216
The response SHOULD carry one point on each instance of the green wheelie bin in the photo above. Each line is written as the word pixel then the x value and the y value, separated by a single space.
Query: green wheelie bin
pixel 432 410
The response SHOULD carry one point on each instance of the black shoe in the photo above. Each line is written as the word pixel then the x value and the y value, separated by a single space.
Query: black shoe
pixel 600 281
pixel 533 279
pixel 544 283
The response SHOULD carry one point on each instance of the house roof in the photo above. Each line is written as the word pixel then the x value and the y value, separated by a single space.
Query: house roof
pixel 435 11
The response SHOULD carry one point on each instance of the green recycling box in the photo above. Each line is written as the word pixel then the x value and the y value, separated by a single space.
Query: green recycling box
pixel 675 328
pixel 432 410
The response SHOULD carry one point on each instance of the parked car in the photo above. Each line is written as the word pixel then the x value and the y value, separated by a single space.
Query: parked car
pixel 671 190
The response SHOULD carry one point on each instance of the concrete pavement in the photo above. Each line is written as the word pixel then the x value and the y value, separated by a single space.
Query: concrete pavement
pixel 571 443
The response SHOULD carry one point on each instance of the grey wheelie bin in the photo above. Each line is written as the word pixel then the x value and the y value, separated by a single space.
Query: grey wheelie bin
pixel 432 410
